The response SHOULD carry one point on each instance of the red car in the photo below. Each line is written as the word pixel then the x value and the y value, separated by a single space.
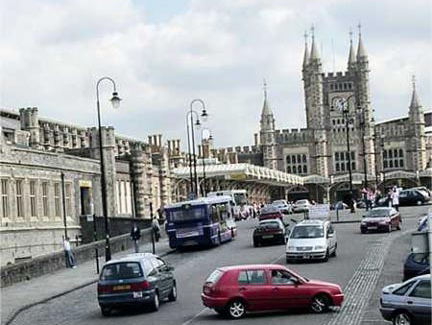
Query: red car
pixel 234 290
pixel 381 219
pixel 270 212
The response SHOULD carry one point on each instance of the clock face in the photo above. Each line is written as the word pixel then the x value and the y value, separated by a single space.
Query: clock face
pixel 339 103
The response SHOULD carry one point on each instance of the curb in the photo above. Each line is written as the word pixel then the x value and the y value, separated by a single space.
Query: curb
pixel 25 307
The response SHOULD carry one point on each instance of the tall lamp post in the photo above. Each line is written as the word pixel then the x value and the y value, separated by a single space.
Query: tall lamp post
pixel 191 140
pixel 362 122
pixel 115 101
pixel 341 104
pixel 210 138
pixel 382 158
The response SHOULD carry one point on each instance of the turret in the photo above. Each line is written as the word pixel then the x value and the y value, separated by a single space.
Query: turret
pixel 351 55
pixel 267 134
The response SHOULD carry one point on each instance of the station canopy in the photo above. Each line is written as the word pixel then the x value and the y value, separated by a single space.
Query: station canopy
pixel 242 172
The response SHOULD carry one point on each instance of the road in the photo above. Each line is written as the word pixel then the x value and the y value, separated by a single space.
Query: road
pixel 356 268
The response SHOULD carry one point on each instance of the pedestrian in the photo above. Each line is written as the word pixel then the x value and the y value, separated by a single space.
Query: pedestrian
pixel 371 197
pixel 365 192
pixel 69 256
pixel 156 229
pixel 136 235
pixel 395 198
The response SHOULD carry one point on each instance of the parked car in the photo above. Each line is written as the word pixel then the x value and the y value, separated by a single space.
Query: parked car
pixel 235 290
pixel 301 206
pixel 424 190
pixel 412 197
pixel 311 239
pixel 409 302
pixel 135 279
pixel 269 230
pixel 340 205
pixel 283 206
pixel 380 219
pixel 270 212
pixel 416 264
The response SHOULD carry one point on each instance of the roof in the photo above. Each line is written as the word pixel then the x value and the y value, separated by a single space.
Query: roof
pixel 200 201
pixel 250 267
pixel 314 222
pixel 135 257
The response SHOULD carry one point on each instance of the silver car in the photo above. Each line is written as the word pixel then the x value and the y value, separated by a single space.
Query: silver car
pixel 409 302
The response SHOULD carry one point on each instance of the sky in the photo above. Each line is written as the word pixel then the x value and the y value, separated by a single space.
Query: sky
pixel 162 54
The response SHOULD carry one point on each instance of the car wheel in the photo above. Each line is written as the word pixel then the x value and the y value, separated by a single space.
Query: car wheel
pixel 363 231
pixel 106 311
pixel 320 303
pixel 236 309
pixel 334 252
pixel 389 229
pixel 401 318
pixel 419 202
pixel 398 226
pixel 256 243
pixel 327 255
pixel 154 306
pixel 173 294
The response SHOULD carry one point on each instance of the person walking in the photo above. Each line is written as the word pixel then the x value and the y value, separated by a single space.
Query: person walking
pixel 69 257
pixel 136 235
pixel 395 198
pixel 156 229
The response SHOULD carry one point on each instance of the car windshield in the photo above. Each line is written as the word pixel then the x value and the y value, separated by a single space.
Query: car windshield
pixel 269 225
pixel 307 232
pixel 188 213
pixel 123 270
pixel 377 213
pixel 277 202
pixel 301 202
pixel 240 198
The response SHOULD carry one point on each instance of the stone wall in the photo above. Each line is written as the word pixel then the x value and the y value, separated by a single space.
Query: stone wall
pixel 55 261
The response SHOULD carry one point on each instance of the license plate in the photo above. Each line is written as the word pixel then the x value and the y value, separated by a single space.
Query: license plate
pixel 306 255
pixel 122 287
pixel 137 294
pixel 373 227
pixel 267 237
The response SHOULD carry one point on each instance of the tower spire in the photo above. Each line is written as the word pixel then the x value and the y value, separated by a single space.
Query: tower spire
pixel 266 111
pixel 414 98
pixel 306 52
pixel 351 55
pixel 361 52
pixel 314 50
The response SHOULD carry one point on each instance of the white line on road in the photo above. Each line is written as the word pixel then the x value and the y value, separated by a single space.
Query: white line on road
pixel 191 320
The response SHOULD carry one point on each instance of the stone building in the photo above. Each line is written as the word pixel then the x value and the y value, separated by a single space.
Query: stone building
pixel 398 150
pixel 34 155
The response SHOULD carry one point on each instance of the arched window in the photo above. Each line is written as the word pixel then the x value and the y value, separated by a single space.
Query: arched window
pixel 337 167
pixel 289 169
pixel 401 153
pixel 396 163
pixel 293 159
pixel 294 170
pixel 288 159
pixel 401 163
pixel 304 158
pixel 304 169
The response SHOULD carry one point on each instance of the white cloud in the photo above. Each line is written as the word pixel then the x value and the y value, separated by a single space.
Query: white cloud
pixel 53 52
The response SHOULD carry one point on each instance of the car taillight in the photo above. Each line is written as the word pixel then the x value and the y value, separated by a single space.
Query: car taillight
pixel 145 285
pixel 210 289
pixel 104 289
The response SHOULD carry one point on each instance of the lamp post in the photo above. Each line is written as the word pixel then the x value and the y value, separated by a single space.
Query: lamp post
pixel 210 138
pixel 115 101
pixel 64 204
pixel 362 122
pixel 191 140
pixel 382 158
pixel 342 105
pixel 374 137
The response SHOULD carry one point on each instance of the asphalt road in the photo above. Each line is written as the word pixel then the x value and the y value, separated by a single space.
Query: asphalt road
pixel 192 268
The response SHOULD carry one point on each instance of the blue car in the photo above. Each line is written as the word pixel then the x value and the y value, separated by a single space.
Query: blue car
pixel 416 264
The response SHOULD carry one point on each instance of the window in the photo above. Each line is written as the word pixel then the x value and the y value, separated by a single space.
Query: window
pixel 33 208
pixel 68 200
pixel 124 270
pixel 337 167
pixel 19 198
pixel 401 153
pixel 336 156
pixel 288 159
pixel 294 159
pixel 288 169
pixel 252 277
pixel 422 290
pixel 342 167
pixel 5 198
pixel 401 163
pixel 385 164
pixel 45 207
pixel 304 158
pixel 57 199
pixel 396 163
pixel 282 277
pixel 304 169
pixel 403 290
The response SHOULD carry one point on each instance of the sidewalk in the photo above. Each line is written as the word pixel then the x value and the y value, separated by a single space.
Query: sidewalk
pixel 21 296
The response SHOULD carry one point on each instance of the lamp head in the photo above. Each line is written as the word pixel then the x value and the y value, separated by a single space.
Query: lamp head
pixel 210 138
pixel 197 124
pixel 204 115
pixel 115 100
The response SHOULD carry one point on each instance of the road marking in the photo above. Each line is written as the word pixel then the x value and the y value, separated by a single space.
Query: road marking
pixel 191 320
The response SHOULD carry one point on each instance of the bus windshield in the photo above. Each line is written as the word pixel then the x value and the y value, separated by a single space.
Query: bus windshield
pixel 190 214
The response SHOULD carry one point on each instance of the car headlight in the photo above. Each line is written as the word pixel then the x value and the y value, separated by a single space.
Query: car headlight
pixel 319 247
pixel 290 248
pixel 383 222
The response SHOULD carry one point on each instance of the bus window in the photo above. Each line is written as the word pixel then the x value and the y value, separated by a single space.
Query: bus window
pixel 214 213
pixel 240 198
pixel 193 213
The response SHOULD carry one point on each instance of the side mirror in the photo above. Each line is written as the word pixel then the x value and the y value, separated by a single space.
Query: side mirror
pixel 330 235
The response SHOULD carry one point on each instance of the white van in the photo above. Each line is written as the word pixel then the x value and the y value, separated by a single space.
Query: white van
pixel 311 239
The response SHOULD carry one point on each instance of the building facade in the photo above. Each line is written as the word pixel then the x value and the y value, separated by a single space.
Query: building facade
pixel 48 168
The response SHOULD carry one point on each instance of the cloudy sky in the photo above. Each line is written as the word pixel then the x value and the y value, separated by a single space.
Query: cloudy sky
pixel 164 53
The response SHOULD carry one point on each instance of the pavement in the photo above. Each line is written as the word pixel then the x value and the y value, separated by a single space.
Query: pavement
pixel 23 295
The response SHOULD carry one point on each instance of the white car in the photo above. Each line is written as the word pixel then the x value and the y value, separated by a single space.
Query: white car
pixel 283 206
pixel 311 239
pixel 301 206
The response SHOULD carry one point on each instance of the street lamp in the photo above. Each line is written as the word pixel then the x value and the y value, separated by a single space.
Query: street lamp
pixel 382 158
pixel 342 105
pixel 210 138
pixel 190 119
pixel 362 122
pixel 115 101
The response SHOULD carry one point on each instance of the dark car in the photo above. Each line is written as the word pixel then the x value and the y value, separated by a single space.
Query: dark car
pixel 269 230
pixel 412 197
pixel 141 279
pixel 270 212
pixel 416 264
pixel 235 290
pixel 380 219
